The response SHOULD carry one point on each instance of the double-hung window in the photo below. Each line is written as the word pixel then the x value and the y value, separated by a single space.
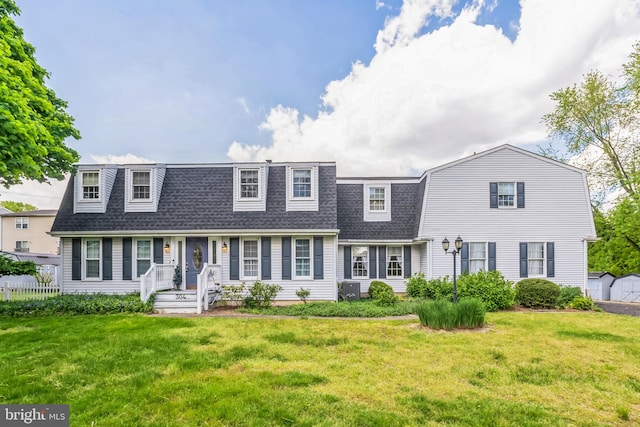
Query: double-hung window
pixel 250 258
pixel 249 184
pixel 140 185
pixel 143 256
pixel 506 194
pixel 394 261
pixel 477 257
pixel 22 246
pixel 22 223
pixel 92 259
pixel 535 259
pixel 360 261
pixel 90 185
pixel 301 183
pixel 303 258
pixel 376 199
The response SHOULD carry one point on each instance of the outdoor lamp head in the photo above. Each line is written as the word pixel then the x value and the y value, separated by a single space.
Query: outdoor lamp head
pixel 458 243
pixel 445 244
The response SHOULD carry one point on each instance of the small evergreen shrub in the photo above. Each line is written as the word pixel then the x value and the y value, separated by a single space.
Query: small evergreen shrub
pixel 261 295
pixel 385 296
pixel 537 293
pixel 377 286
pixel 74 304
pixel 490 287
pixel 416 286
pixel 303 294
pixel 234 293
pixel 567 294
pixel 581 303
pixel 443 314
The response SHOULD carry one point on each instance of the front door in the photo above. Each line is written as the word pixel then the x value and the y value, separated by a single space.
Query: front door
pixel 196 256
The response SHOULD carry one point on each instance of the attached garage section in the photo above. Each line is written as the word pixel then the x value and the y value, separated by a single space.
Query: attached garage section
pixel 626 288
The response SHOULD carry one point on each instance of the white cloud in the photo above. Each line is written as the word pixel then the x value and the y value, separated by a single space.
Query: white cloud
pixel 427 99
pixel 125 159
pixel 245 105
pixel 42 196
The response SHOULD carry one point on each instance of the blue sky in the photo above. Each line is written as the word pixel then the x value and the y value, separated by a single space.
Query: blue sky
pixel 381 87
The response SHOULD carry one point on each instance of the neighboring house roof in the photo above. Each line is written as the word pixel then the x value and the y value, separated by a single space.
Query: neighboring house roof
pixel 200 198
pixel 39 259
pixel 406 205
pixel 4 211
pixel 599 274
pixel 38 212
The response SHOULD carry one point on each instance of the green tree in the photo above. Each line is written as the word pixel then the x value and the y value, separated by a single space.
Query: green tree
pixel 9 267
pixel 33 120
pixel 598 120
pixel 17 206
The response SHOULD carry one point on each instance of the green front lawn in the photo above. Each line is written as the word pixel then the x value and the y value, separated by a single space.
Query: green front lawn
pixel 526 369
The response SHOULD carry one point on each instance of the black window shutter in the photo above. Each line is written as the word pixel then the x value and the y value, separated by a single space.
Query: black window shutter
pixel 372 262
pixel 234 258
pixel 286 258
pixel 524 265
pixel 347 262
pixel 157 250
pixel 493 194
pixel 407 261
pixel 266 258
pixel 464 258
pixel 76 259
pixel 107 258
pixel 551 262
pixel 382 262
pixel 492 256
pixel 126 258
pixel 520 187
pixel 318 257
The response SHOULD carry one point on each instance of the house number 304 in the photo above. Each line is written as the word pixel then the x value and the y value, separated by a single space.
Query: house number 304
pixel 180 296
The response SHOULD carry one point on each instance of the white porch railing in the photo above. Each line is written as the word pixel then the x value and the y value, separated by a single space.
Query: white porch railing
pixel 209 279
pixel 23 291
pixel 159 277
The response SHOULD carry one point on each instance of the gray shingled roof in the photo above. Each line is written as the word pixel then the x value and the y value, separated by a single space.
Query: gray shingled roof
pixel 406 206
pixel 201 198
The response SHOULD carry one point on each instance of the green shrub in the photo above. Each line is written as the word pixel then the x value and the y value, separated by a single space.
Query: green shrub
pixel 537 293
pixel 303 294
pixel 567 294
pixel 443 314
pixel 416 286
pixel 359 308
pixel 385 296
pixel 261 294
pixel 581 303
pixel 73 304
pixel 439 288
pixel 234 293
pixel 377 286
pixel 490 287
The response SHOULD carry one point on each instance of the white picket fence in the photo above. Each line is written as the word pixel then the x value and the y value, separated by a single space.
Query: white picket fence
pixel 25 291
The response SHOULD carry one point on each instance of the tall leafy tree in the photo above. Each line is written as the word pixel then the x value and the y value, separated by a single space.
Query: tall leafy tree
pixel 599 122
pixel 33 120
pixel 17 206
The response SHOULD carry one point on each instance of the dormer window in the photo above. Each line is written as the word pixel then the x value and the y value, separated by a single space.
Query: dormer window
pixel 141 185
pixel 90 185
pixel 376 199
pixel 301 183
pixel 249 184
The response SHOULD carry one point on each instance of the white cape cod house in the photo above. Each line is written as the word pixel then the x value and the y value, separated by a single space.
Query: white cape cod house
pixel 126 228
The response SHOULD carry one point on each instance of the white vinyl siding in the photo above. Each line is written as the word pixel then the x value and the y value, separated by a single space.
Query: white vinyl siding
pixel 92 189
pixel 302 187
pixel 249 188
pixel 143 187
pixel 377 201
pixel 558 210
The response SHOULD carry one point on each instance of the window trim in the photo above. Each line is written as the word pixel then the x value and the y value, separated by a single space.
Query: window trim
pixel 543 259
pixel 294 258
pixel 257 258
pixel 81 197
pixel 365 262
pixel 132 199
pixel 400 262
pixel 134 257
pixel 258 185
pixel 514 201
pixel 485 260
pixel 21 221
pixel 85 259
pixel 292 184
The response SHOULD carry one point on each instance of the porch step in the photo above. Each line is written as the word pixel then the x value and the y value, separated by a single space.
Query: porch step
pixel 177 301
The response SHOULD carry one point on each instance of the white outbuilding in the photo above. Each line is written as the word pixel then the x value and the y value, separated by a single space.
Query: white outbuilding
pixel 626 288
pixel 599 285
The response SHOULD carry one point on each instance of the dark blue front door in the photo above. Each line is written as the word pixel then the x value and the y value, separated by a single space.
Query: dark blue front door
pixel 196 256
